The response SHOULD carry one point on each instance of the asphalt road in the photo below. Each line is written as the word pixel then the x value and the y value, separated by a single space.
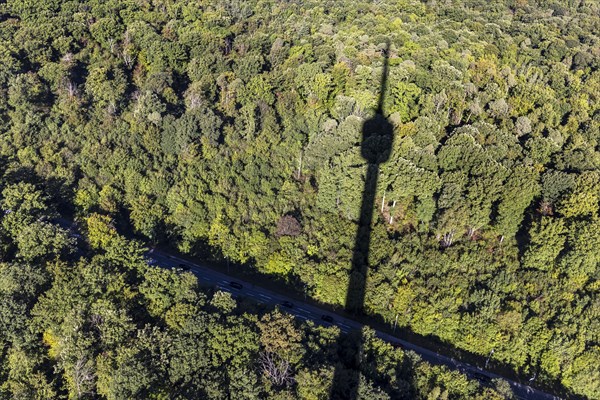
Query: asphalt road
pixel 304 311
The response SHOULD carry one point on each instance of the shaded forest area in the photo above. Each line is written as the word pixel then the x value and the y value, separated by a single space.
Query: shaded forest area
pixel 109 326
pixel 234 127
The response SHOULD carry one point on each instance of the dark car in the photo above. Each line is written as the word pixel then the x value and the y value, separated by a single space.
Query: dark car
pixel 184 267
pixel 288 304
pixel 236 285
pixel 480 377
pixel 327 318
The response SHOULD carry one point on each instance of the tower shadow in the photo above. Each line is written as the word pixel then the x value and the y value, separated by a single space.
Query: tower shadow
pixel 376 147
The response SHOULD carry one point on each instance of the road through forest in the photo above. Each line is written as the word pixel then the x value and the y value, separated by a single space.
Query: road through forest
pixel 209 277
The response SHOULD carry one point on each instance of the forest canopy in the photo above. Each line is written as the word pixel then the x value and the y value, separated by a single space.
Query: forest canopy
pixel 233 129
pixel 109 326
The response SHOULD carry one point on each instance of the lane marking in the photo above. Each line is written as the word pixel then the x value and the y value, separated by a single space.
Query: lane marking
pixel 265 296
pixel 298 311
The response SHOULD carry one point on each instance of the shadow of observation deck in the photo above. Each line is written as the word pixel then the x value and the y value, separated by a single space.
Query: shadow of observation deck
pixel 376 148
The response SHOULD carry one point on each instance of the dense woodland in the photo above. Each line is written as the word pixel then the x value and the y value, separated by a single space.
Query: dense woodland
pixel 109 326
pixel 232 128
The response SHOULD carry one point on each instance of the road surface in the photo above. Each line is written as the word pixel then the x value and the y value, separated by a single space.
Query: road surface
pixel 304 311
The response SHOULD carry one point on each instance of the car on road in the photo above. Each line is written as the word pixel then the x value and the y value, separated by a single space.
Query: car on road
pixel 236 285
pixel 480 377
pixel 184 267
pixel 287 304
pixel 327 318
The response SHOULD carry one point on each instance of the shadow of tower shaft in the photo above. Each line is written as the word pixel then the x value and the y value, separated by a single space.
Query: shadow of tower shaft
pixel 376 146
pixel 355 295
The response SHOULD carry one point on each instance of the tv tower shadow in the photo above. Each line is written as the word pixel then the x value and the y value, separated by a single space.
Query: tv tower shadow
pixel 376 147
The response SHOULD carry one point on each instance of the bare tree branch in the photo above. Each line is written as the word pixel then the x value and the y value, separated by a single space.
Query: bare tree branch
pixel 276 368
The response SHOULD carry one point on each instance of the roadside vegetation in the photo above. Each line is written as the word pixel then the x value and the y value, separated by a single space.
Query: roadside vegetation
pixel 109 326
